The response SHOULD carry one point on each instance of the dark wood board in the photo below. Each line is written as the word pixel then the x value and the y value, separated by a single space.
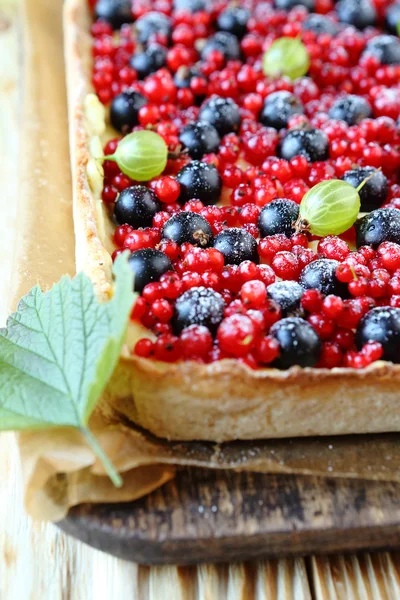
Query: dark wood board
pixel 213 516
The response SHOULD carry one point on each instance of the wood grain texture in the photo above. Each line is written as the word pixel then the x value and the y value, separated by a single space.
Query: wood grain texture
pixel 215 515
pixel 363 577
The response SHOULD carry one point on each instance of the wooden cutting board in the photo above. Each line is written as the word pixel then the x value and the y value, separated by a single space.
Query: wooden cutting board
pixel 219 516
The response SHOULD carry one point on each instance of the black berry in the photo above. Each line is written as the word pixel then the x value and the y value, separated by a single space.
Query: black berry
pixel 289 4
pixel 278 216
pixel 350 108
pixel 381 324
pixel 393 18
pixel 188 227
pixel 278 108
pixel 136 206
pixel 198 306
pixel 148 265
pixel 184 75
pixel 124 110
pixel 287 294
pixel 191 6
pixel 320 24
pixel 234 20
pixel 226 43
pixel 320 275
pixel 199 180
pixel 385 48
pixel 222 113
pixel 236 245
pixel 152 24
pixel 149 61
pixel 299 343
pixel 374 192
pixel 183 78
pixel 360 13
pixel 313 144
pixel 114 12
pixel 381 225
pixel 199 139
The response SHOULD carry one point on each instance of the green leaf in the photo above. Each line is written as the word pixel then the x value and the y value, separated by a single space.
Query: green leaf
pixel 398 27
pixel 58 352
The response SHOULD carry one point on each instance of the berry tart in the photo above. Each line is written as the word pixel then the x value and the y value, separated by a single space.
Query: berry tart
pixel 247 157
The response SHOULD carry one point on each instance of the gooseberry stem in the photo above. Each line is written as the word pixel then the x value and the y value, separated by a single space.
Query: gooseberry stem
pixel 108 157
pixel 360 187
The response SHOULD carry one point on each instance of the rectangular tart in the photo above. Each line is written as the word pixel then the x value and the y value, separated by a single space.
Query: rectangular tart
pixel 224 400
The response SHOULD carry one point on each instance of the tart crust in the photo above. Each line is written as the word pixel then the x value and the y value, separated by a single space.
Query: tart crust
pixel 225 400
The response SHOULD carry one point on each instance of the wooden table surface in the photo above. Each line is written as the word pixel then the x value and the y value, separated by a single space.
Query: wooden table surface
pixel 38 562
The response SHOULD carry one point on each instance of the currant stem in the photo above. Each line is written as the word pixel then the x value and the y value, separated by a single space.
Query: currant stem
pixel 301 225
pixel 353 272
pixel 174 155
pixel 102 456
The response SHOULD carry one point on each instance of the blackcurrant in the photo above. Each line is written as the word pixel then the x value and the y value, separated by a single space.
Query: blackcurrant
pixel 198 306
pixel 136 206
pixel 360 13
pixel 320 24
pixel 199 139
pixel 350 108
pixel 385 48
pixel 278 216
pixel 124 110
pixel 183 78
pixel 393 18
pixel 184 75
pixel 381 324
pixel 380 225
pixel 236 245
pixel 114 12
pixel 289 4
pixel 287 294
pixel 149 61
pixel 148 265
pixel 226 43
pixel 188 227
pixel 320 275
pixel 152 24
pixel 191 6
pixel 278 108
pixel 234 20
pixel 222 113
pixel 199 180
pixel 374 192
pixel 299 343
pixel 313 144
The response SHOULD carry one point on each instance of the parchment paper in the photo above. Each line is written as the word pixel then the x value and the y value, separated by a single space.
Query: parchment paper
pixel 59 470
